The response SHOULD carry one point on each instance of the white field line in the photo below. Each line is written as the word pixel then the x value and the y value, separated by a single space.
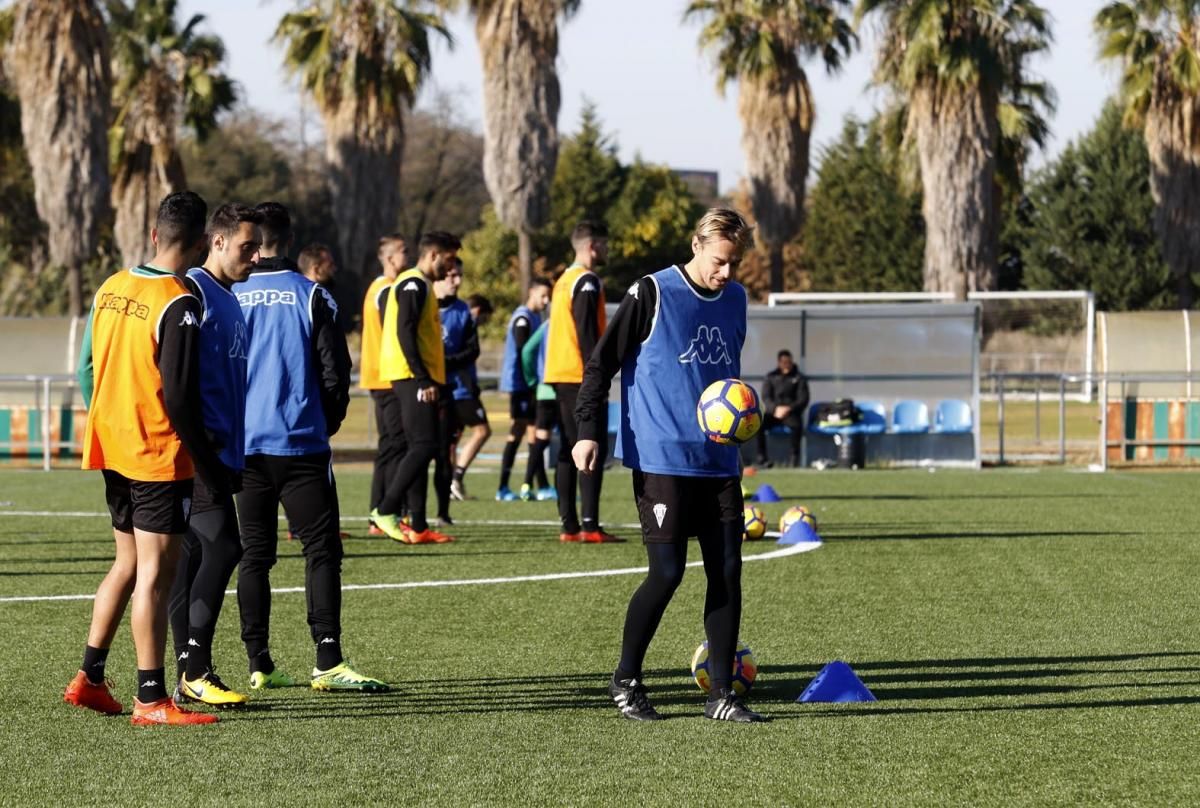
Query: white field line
pixel 782 552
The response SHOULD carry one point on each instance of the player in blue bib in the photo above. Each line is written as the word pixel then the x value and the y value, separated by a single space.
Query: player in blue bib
pixel 212 547
pixel 298 390
pixel 524 321
pixel 458 404
pixel 677 331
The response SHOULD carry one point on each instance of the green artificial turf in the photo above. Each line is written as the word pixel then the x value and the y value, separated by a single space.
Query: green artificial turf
pixel 1031 637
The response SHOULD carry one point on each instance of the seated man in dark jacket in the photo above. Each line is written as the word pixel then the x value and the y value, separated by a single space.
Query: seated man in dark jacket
pixel 784 401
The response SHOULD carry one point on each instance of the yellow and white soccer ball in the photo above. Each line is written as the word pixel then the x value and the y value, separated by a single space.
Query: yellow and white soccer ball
pixel 745 669
pixel 755 522
pixel 794 514
pixel 729 412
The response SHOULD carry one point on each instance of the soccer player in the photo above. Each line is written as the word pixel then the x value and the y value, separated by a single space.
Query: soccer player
pixel 412 357
pixel 212 546
pixel 297 393
pixel 459 398
pixel 533 362
pixel 576 321
pixel 521 325
pixel 469 410
pixel 139 373
pixel 481 310
pixel 393 258
pixel 677 331
pixel 316 263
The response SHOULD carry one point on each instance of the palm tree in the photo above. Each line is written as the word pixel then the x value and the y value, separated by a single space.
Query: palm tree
pixel 1158 42
pixel 165 77
pixel 952 61
pixel 60 69
pixel 518 40
pixel 362 62
pixel 761 44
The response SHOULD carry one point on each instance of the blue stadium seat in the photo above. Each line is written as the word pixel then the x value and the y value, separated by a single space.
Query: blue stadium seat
pixel 953 417
pixel 910 417
pixel 874 418
pixel 614 417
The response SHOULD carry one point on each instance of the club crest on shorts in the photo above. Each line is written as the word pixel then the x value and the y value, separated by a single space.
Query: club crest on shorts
pixel 660 513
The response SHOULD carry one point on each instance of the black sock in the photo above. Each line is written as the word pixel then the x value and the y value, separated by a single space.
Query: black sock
pixel 459 472
pixel 622 675
pixel 329 652
pixel 536 471
pixel 94 660
pixel 589 496
pixel 181 662
pixel 199 660
pixel 261 662
pixel 151 685
pixel 506 462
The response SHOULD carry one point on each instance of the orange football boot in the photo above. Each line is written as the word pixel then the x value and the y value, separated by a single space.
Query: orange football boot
pixel 599 537
pixel 166 711
pixel 428 536
pixel 82 693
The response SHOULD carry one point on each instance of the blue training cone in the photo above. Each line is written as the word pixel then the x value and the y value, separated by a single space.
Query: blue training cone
pixel 837 682
pixel 766 493
pixel 799 533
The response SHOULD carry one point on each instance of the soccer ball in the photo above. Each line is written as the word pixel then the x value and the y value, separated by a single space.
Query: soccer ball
pixel 744 668
pixel 755 521
pixel 728 412
pixel 794 514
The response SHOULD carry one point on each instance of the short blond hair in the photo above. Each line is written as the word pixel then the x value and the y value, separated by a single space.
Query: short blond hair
pixel 724 224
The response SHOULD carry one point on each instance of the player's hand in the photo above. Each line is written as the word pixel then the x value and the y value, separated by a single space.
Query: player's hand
pixel 428 394
pixel 584 454
pixel 782 411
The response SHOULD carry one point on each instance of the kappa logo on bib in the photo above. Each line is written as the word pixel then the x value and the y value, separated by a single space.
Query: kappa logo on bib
pixel 707 348
pixel 267 297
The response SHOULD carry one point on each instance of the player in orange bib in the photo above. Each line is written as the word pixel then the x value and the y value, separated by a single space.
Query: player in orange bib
pixel 139 373
pixel 577 320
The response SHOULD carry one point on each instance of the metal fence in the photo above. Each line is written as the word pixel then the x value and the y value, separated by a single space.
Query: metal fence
pixel 41 419
pixel 31 424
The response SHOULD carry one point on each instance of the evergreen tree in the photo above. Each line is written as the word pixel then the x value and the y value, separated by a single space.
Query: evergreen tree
pixel 864 231
pixel 648 209
pixel 650 225
pixel 588 178
pixel 1089 221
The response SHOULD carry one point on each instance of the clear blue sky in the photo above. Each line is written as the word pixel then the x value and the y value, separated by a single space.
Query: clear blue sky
pixel 639 63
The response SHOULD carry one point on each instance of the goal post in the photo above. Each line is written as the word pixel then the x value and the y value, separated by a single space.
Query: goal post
pixel 1024 333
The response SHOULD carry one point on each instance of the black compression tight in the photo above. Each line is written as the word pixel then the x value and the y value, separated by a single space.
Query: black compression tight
pixel 721 549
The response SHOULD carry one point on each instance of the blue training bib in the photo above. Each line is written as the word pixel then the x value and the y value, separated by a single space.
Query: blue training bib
pixel 283 399
pixel 694 342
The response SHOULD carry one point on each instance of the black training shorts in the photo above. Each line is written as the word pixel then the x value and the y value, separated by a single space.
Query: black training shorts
pixel 153 507
pixel 520 406
pixel 673 509
pixel 547 414
pixel 469 412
